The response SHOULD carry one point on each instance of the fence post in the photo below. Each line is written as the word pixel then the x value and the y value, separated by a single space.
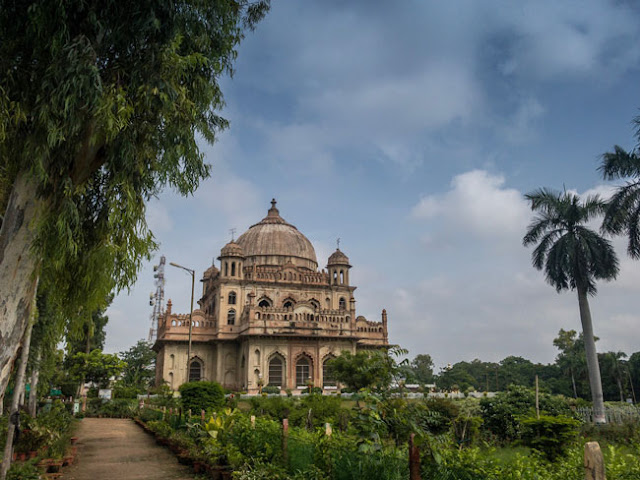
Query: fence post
pixel 253 422
pixel 414 459
pixel 593 462
pixel 285 434
pixel 327 429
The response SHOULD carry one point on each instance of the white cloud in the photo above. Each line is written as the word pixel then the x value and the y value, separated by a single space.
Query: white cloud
pixel 478 204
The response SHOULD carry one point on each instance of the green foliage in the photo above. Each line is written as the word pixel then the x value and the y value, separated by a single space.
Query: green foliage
pixel 140 365
pixel 95 367
pixel 624 433
pixel 276 408
pixel 422 366
pixel 123 391
pixel 161 428
pixel 272 389
pixel 260 471
pixel 100 109
pixel 516 464
pixel 623 209
pixel 366 449
pixel 262 443
pixel 315 410
pixel 551 436
pixel 88 332
pixel 572 255
pixel 501 413
pixel 51 429
pixel 197 396
pixel 118 408
pixel 23 471
pixel 367 369
pixel 445 407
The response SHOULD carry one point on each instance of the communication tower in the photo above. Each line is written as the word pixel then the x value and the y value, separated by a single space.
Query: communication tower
pixel 156 300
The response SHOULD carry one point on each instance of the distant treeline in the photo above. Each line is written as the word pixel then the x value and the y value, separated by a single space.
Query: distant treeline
pixel 566 376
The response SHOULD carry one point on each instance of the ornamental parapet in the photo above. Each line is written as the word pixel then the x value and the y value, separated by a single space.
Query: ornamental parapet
pixel 253 314
pixel 174 326
pixel 285 274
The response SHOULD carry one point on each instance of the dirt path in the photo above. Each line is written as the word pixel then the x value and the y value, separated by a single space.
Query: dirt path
pixel 115 449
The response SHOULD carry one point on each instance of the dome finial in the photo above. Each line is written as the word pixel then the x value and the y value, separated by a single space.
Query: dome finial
pixel 273 211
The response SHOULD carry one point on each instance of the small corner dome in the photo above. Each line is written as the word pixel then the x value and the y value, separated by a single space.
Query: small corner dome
pixel 338 258
pixel 210 272
pixel 232 249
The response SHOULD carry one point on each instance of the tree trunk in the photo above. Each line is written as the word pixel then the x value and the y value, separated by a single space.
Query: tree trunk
pixel 33 394
pixel 593 367
pixel 573 382
pixel 620 389
pixel 18 271
pixel 17 392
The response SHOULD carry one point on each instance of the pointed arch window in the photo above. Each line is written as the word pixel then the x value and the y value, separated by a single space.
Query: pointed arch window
pixel 231 317
pixel 264 303
pixel 328 379
pixel 276 371
pixel 303 371
pixel 342 304
pixel 195 370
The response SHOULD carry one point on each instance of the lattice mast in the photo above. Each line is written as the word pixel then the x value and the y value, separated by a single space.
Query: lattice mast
pixel 156 300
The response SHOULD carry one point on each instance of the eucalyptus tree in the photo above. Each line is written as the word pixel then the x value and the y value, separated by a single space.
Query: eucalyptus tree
pixel 623 209
pixel 571 358
pixel 573 256
pixel 101 103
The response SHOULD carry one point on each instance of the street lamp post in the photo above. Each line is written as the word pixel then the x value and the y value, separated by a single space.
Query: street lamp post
pixel 193 280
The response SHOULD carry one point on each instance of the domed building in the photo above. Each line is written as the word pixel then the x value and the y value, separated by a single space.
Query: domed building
pixel 267 316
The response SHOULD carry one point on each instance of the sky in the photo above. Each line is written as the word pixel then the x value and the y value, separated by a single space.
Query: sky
pixel 411 131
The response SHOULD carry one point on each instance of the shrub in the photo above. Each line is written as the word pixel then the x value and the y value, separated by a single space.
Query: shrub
pixel 277 408
pixel 549 435
pixel 315 410
pixel 120 408
pixel 160 428
pixel 126 392
pixel 271 389
pixel 627 432
pixel 198 396
pixel 262 443
pixel 23 471
pixel 501 413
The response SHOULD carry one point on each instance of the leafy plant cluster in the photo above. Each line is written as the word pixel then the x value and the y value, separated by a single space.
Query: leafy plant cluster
pixel 47 436
pixel 458 439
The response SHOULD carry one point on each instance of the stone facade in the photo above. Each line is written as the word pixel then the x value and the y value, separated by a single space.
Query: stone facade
pixel 268 316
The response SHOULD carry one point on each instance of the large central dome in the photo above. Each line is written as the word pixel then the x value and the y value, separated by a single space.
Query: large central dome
pixel 273 241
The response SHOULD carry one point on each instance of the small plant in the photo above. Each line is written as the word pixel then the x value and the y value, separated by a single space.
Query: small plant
pixel 549 435
pixel 197 396
pixel 271 389
pixel 23 471
pixel 160 428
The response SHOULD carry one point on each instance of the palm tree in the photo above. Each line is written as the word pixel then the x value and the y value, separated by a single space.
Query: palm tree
pixel 623 210
pixel 573 257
